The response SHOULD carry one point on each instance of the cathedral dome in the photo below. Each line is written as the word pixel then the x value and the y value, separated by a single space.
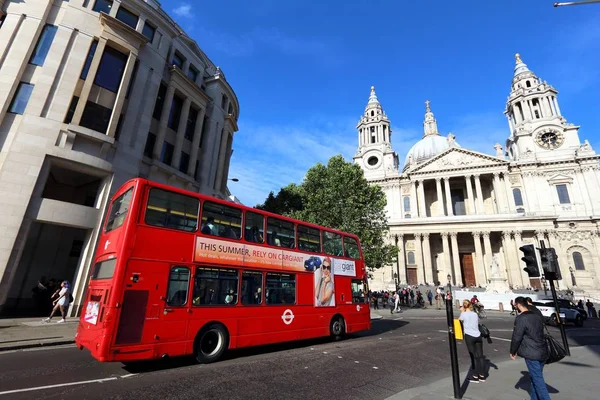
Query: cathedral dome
pixel 432 143
pixel 428 147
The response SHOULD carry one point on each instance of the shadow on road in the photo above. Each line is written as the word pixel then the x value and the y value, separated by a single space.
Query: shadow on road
pixel 525 384
pixel 377 328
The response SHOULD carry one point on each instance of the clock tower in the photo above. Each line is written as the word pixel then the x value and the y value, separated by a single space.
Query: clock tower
pixel 538 131
pixel 375 155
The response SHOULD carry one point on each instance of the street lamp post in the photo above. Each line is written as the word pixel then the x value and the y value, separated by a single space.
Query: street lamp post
pixel 233 179
pixel 452 340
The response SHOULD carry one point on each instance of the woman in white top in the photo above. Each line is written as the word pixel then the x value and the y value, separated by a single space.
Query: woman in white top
pixel 62 302
pixel 474 341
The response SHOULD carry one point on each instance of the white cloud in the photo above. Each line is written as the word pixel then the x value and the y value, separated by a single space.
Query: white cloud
pixel 184 10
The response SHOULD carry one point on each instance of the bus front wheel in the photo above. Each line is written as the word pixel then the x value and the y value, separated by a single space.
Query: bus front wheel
pixel 211 343
pixel 337 327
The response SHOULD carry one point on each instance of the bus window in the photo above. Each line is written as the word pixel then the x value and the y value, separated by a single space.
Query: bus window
pixel 332 243
pixel 281 233
pixel 172 210
pixel 104 269
pixel 118 210
pixel 281 288
pixel 221 220
pixel 251 287
pixel 177 290
pixel 309 239
pixel 255 228
pixel 359 291
pixel 351 248
pixel 215 286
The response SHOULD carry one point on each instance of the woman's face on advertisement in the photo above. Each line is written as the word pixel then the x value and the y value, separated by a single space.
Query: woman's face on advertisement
pixel 326 268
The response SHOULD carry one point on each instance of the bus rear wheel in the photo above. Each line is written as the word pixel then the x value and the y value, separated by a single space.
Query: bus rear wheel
pixel 211 343
pixel 337 327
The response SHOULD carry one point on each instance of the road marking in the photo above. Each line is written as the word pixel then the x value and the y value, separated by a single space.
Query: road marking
pixel 58 385
pixel 499 338
pixel 42 348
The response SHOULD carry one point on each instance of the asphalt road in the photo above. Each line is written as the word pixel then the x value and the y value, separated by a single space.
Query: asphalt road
pixel 401 351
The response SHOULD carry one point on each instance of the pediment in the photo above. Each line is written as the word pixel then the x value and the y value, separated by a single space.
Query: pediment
pixel 458 158
pixel 560 178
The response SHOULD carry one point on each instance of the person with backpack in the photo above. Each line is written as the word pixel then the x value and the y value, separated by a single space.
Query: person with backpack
pixel 62 302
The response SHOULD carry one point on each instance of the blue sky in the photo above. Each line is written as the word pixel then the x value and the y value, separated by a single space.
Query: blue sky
pixel 302 71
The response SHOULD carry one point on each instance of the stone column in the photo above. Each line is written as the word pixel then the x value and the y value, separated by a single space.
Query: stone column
pixel 427 266
pixel 479 263
pixel 470 199
pixel 120 100
pixel 422 205
pixel 487 246
pixel 520 264
pixel 401 261
pixel 556 106
pixel 480 209
pixel 196 142
pixel 500 206
pixel 185 112
pixel 89 81
pixel 419 258
pixel 447 260
pixel 164 119
pixel 440 197
pixel 414 210
pixel 448 196
pixel 456 259
pixel 508 262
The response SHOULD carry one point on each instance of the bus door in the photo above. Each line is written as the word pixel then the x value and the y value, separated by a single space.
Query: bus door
pixel 175 313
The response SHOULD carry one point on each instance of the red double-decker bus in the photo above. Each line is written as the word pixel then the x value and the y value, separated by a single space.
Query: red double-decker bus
pixel 178 273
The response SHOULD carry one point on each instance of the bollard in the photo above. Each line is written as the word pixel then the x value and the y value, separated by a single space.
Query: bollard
pixel 501 307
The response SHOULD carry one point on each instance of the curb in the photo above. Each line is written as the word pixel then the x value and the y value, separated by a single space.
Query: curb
pixel 34 345
pixel 376 317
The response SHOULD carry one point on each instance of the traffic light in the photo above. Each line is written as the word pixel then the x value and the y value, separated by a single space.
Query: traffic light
pixel 530 259
pixel 550 264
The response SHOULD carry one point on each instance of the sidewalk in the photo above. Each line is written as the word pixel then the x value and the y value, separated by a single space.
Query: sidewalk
pixel 575 377
pixel 23 333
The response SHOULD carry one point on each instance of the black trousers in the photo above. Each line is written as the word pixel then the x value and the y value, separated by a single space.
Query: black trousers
pixel 475 346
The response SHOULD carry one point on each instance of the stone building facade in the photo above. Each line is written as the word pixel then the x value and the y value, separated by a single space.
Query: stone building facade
pixel 464 214
pixel 93 93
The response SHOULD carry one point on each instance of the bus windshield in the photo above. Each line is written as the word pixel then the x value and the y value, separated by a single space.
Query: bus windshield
pixel 118 210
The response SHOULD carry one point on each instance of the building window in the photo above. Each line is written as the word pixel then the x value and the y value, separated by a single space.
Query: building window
pixel 563 194
pixel 148 30
pixel 527 83
pixel 160 101
pixel 578 261
pixel 43 45
pixel 110 71
pixel 103 6
pixel 197 171
pixel 223 101
pixel 190 126
pixel 127 17
pixel 21 98
pixel 96 117
pixel 166 155
pixel 184 163
pixel 175 113
pixel 192 73
pixel 458 202
pixel 150 142
pixel 88 60
pixel 177 60
pixel 406 201
pixel 517 196
pixel 71 110
pixel 2 18
pixel 410 258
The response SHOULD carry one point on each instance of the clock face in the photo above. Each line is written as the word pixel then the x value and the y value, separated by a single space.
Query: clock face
pixel 549 139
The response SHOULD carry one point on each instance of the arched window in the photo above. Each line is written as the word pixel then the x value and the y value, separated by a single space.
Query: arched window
pixel 528 84
pixel 518 197
pixel 578 261
pixel 372 113
pixel 406 203
pixel 410 258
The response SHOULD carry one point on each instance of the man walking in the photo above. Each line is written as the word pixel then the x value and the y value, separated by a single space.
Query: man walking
pixel 528 342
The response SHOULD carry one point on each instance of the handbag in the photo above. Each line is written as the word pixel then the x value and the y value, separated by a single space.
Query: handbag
pixel 555 351
pixel 485 332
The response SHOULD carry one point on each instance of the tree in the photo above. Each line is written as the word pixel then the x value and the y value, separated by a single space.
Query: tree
pixel 338 196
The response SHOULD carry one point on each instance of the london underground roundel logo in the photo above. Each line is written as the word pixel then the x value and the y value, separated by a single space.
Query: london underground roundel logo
pixel 287 317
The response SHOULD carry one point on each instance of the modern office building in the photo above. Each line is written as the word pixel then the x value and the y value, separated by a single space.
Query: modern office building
pixel 93 93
